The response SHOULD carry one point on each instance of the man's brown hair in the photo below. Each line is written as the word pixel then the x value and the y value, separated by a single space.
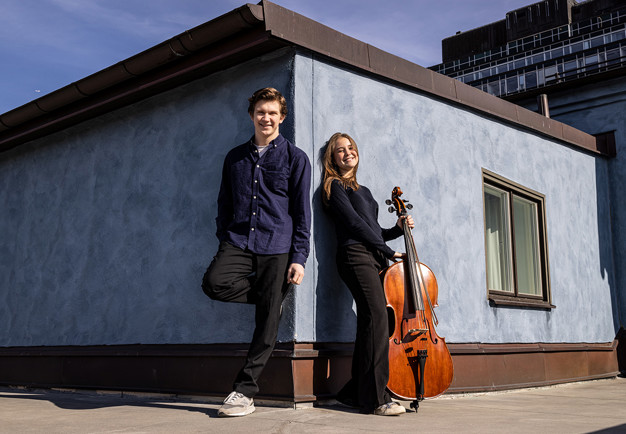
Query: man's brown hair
pixel 267 94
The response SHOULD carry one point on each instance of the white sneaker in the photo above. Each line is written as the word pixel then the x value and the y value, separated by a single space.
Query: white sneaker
pixel 390 409
pixel 236 404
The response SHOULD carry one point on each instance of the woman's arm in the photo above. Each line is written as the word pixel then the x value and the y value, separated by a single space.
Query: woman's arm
pixel 340 206
pixel 397 230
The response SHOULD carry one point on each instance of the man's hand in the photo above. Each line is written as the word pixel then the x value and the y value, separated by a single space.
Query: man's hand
pixel 295 273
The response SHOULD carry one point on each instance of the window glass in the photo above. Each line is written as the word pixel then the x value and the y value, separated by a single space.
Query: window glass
pixel 528 43
pixel 499 274
pixel 526 246
pixel 591 60
pixel 612 56
pixel 558 52
pixel 531 79
pixel 493 88
pixel 598 41
pixel 574 48
pixel 511 84
pixel 570 67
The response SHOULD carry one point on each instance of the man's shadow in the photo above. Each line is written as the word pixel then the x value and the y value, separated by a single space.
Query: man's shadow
pixel 93 401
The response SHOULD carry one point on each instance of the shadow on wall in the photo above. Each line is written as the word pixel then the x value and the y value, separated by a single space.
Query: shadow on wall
pixel 335 318
pixel 621 351
pixel 607 235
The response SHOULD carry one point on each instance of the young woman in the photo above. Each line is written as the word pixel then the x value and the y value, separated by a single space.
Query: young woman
pixel 361 255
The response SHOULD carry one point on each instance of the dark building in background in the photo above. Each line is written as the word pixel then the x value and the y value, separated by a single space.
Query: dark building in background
pixel 547 43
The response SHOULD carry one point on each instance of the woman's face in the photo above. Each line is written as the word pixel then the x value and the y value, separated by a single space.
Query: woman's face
pixel 345 156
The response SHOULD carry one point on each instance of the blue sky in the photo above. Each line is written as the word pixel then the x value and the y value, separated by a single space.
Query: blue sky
pixel 48 44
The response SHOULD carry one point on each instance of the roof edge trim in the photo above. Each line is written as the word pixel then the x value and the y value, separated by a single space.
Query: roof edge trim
pixel 189 41
pixel 265 26
pixel 305 32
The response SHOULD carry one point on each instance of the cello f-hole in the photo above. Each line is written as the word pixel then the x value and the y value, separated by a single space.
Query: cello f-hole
pixel 391 320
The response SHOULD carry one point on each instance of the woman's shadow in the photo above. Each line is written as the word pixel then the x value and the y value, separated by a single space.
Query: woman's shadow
pixel 335 320
pixel 335 317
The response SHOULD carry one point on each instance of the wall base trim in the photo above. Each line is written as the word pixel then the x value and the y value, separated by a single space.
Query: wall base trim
pixel 296 372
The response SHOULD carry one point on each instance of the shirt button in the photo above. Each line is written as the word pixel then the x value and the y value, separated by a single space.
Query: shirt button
pixel 253 213
pixel 253 197
pixel 252 229
pixel 255 181
pixel 258 165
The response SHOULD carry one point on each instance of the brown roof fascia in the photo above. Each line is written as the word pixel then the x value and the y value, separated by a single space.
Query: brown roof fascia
pixel 219 43
pixel 302 31
pixel 241 34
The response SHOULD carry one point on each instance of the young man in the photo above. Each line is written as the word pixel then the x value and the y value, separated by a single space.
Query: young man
pixel 263 225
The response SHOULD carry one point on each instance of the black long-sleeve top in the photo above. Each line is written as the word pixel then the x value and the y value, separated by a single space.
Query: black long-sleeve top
pixel 355 213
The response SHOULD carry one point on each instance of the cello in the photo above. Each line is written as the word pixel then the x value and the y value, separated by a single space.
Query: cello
pixel 420 365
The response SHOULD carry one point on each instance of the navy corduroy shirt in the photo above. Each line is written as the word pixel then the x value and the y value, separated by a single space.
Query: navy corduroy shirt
pixel 264 201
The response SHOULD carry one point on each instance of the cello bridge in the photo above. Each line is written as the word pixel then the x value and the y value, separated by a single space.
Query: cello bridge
pixel 418 331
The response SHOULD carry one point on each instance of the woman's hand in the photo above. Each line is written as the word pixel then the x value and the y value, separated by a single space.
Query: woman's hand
pixel 399 255
pixel 409 220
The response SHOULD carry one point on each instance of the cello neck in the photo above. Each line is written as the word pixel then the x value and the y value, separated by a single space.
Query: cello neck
pixel 415 279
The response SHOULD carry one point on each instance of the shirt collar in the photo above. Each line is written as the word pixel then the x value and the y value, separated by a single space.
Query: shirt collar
pixel 278 142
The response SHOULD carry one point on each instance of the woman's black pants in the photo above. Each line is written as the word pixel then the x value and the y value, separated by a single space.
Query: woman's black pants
pixel 359 268
pixel 240 276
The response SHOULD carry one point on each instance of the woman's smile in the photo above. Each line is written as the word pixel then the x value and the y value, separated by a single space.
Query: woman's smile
pixel 345 155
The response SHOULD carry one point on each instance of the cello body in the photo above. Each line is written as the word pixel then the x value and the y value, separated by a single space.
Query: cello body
pixel 405 347
pixel 420 365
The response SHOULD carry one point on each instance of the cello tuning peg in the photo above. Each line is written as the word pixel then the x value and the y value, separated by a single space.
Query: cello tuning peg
pixel 409 206
pixel 388 201
pixel 391 209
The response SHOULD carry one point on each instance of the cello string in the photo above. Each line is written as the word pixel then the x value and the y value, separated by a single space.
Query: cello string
pixel 416 284
pixel 410 251
pixel 423 285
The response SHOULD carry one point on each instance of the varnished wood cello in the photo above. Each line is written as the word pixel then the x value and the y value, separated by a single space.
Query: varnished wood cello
pixel 420 365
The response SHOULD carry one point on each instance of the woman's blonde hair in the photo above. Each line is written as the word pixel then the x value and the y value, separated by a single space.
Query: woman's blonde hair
pixel 331 170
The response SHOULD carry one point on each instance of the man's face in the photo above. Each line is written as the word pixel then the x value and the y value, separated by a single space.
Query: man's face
pixel 267 119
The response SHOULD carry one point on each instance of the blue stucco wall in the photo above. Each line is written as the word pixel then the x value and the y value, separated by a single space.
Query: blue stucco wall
pixel 599 108
pixel 108 226
pixel 435 152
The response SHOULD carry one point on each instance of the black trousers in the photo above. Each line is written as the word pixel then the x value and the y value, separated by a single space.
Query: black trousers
pixel 241 276
pixel 359 267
